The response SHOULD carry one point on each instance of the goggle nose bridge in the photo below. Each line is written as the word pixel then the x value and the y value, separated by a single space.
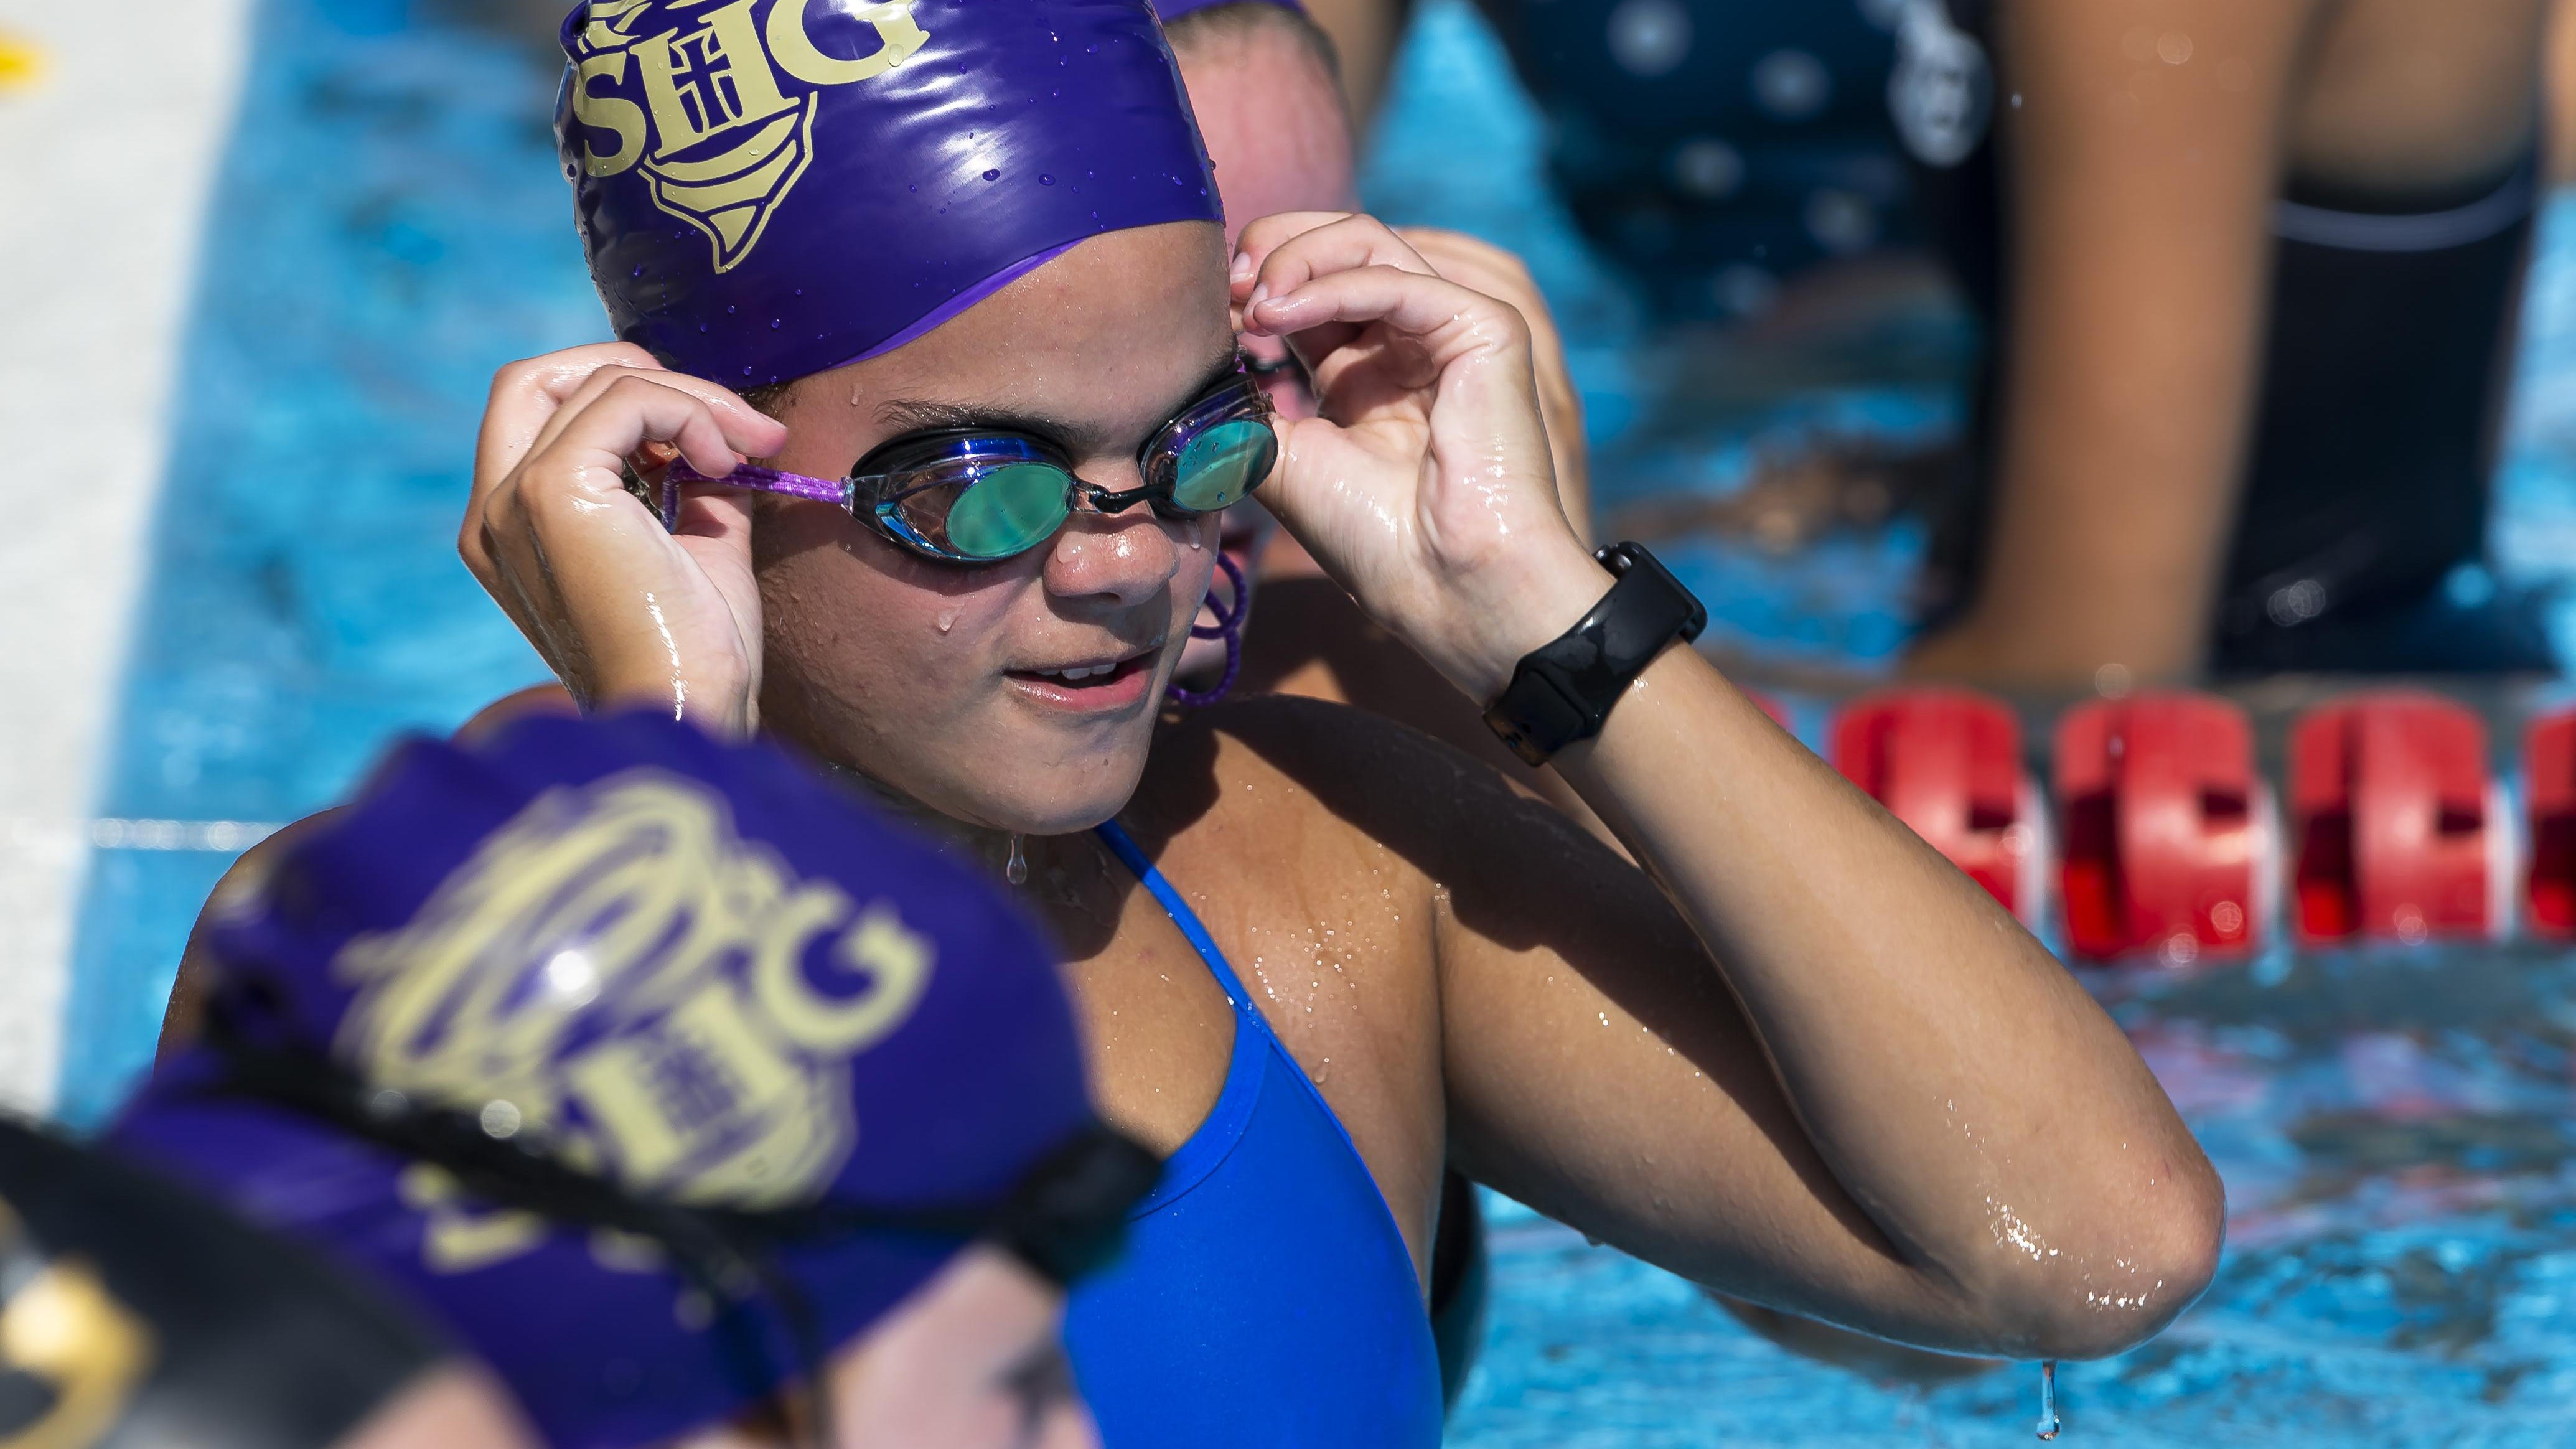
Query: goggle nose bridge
pixel 1114 500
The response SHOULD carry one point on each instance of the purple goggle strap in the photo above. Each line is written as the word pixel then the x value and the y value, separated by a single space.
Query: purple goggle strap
pixel 751 476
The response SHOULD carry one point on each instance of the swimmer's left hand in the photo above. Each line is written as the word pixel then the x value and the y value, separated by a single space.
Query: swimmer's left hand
pixel 1425 487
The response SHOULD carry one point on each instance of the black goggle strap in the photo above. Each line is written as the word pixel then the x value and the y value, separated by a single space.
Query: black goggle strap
pixel 1066 1217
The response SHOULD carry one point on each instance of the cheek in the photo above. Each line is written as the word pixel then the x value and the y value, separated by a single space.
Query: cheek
pixel 1201 540
pixel 851 617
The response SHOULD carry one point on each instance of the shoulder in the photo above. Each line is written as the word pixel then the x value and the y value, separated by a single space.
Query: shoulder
pixel 1333 787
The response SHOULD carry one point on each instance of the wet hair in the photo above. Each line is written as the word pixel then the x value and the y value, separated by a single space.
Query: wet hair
pixel 770 398
pixel 1244 19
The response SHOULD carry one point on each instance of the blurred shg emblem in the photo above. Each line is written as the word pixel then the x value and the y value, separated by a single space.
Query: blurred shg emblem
pixel 669 1003
pixel 716 106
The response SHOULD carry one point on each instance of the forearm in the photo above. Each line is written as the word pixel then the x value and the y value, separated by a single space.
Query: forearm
pixel 1963 1090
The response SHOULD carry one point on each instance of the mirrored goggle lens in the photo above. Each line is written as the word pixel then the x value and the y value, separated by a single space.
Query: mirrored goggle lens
pixel 993 514
pixel 1223 464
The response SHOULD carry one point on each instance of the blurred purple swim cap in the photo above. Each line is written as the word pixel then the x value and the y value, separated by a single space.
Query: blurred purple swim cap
pixel 699 970
pixel 772 188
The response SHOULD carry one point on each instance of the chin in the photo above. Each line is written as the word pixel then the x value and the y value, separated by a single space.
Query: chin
pixel 1036 773
pixel 1050 800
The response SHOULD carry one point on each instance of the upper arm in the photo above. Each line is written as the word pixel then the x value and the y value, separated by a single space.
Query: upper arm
pixel 1593 1061
pixel 1600 1069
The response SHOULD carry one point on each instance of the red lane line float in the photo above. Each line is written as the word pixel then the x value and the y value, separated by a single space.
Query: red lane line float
pixel 2549 776
pixel 1947 762
pixel 2164 828
pixel 2400 832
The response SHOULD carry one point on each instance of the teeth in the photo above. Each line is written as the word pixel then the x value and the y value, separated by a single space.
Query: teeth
pixel 1080 671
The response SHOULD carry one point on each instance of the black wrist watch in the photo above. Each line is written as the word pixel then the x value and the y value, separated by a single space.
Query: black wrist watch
pixel 1563 690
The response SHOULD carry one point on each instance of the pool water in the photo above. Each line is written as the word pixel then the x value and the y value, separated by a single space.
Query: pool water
pixel 2394 1126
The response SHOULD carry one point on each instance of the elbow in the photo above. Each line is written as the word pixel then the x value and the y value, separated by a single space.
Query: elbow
pixel 2126 1285
pixel 2158 1265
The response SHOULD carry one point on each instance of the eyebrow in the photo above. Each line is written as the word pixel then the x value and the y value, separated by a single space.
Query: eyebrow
pixel 1077 439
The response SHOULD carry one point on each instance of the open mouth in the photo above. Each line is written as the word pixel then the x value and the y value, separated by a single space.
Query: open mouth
pixel 1092 684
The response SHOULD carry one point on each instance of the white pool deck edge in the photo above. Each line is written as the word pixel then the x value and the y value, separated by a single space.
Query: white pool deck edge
pixel 105 164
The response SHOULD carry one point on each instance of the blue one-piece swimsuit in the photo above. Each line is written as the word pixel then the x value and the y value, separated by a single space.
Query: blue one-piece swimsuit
pixel 1265 1297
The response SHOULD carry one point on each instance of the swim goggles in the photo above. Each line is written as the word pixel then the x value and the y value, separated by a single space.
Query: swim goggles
pixel 981 495
pixel 1065 1218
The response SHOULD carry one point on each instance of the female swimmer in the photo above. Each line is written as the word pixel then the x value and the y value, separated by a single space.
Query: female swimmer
pixel 1797 1056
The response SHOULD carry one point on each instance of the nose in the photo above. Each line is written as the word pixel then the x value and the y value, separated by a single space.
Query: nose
pixel 1119 559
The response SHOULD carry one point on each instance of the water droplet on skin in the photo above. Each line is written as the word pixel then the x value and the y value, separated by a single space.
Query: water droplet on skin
pixel 1016 869
pixel 992 175
pixel 1045 180
pixel 2048 1425
pixel 947 620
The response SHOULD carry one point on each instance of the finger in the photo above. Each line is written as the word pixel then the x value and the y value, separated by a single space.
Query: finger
pixel 523 396
pixel 1481 266
pixel 1264 235
pixel 634 410
pixel 1446 319
pixel 581 470
pixel 751 432
pixel 1352 242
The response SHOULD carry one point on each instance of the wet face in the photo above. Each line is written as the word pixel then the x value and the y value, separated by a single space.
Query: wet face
pixel 1019 695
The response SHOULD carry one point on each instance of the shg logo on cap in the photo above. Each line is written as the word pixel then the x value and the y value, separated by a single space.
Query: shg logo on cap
pixel 716 106
pixel 672 1002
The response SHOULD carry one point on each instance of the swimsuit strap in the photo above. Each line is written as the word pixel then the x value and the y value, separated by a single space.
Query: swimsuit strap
pixel 1124 847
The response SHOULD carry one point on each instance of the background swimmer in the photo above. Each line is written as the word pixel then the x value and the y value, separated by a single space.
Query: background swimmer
pixel 2249 291
pixel 134 1313
pixel 657 1073
pixel 2261 270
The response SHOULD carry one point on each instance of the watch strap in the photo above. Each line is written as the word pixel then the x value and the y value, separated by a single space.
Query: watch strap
pixel 1563 690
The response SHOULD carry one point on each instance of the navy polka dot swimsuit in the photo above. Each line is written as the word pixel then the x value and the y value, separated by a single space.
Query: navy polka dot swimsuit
pixel 1714 147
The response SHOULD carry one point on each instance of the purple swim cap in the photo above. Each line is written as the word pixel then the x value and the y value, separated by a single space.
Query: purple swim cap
pixel 772 188
pixel 698 971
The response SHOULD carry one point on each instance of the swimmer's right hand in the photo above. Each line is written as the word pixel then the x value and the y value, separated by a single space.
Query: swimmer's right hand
pixel 627 614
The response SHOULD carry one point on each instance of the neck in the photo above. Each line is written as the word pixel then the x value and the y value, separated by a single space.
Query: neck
pixel 991 850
